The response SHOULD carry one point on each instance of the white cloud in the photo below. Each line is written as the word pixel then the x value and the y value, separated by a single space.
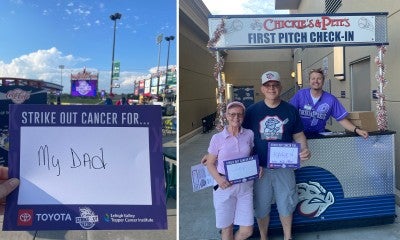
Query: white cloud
pixel 81 11
pixel 44 65
pixel 128 79
pixel 34 64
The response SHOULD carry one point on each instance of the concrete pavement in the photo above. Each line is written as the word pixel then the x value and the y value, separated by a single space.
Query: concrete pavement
pixel 169 234
pixel 196 212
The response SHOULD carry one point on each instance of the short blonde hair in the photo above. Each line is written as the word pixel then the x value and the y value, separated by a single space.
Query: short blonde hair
pixel 318 70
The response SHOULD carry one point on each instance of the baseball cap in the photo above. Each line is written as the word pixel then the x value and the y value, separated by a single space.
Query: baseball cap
pixel 234 104
pixel 270 76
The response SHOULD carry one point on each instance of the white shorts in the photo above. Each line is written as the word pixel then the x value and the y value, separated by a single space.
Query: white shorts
pixel 234 205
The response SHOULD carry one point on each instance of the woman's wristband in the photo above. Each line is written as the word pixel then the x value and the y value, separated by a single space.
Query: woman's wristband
pixel 355 129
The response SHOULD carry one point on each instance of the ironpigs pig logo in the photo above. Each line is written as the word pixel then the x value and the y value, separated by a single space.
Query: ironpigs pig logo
pixel 313 199
pixel 271 127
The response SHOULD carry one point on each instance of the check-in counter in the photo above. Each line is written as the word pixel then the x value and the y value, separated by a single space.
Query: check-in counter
pixel 349 181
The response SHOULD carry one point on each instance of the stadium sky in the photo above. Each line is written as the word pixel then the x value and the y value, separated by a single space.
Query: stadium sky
pixel 39 36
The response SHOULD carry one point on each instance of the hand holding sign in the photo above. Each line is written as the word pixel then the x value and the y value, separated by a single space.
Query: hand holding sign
pixel 6 186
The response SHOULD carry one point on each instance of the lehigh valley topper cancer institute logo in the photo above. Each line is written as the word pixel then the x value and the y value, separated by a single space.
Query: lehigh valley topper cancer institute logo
pixel 25 217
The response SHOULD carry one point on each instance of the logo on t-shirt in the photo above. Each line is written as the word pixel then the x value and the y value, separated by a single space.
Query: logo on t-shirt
pixel 271 127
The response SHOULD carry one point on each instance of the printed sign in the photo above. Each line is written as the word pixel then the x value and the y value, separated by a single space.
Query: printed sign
pixel 201 178
pixel 242 169
pixel 116 69
pixel 296 30
pixel 83 167
pixel 244 94
pixel 283 155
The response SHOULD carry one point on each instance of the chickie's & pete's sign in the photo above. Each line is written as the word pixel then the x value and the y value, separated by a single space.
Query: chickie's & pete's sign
pixel 276 31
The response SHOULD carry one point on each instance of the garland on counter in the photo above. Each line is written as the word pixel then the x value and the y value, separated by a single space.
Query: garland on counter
pixel 381 112
pixel 219 65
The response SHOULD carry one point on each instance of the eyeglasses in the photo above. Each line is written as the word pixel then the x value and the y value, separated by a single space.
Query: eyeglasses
pixel 232 115
pixel 272 85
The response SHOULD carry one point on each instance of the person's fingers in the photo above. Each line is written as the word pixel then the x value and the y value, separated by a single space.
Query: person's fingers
pixel 261 174
pixel 204 160
pixel 305 154
pixel 225 185
pixel 8 186
pixel 3 173
pixel 365 134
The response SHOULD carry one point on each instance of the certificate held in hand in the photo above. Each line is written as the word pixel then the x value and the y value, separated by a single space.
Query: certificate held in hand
pixel 242 169
pixel 283 155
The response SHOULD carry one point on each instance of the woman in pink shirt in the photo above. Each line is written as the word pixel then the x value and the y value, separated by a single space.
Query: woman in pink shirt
pixel 233 203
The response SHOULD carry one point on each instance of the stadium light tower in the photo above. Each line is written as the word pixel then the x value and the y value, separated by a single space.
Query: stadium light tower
pixel 113 17
pixel 159 40
pixel 169 39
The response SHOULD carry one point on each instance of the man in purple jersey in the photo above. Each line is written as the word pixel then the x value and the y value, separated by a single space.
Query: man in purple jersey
pixel 316 106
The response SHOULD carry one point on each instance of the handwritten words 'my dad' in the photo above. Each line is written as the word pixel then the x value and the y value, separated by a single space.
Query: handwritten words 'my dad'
pixel 84 160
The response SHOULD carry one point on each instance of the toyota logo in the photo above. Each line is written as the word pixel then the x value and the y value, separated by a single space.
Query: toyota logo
pixel 25 217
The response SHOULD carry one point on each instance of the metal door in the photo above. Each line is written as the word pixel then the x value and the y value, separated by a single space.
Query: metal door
pixel 360 85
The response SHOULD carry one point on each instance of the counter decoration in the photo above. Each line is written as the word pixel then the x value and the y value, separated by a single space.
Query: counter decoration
pixel 219 65
pixel 381 112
